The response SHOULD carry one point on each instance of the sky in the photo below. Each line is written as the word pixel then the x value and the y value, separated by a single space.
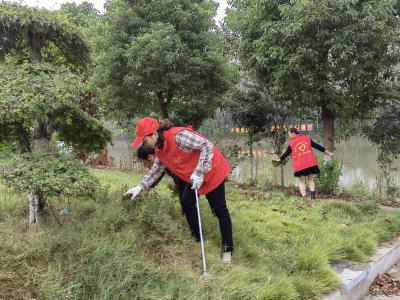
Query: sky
pixel 54 4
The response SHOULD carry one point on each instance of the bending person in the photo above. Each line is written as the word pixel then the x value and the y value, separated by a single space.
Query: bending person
pixel 195 160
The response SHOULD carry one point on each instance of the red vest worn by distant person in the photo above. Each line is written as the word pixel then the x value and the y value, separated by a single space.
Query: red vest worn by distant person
pixel 183 163
pixel 302 154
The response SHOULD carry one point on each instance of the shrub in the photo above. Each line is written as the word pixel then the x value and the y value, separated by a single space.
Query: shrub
pixel 328 179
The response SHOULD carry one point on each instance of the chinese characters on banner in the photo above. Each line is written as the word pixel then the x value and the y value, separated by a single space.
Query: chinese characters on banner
pixel 300 127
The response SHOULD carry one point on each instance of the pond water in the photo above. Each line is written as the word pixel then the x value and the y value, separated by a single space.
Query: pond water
pixel 357 157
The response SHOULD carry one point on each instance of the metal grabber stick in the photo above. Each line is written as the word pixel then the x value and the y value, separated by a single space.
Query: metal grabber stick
pixel 203 254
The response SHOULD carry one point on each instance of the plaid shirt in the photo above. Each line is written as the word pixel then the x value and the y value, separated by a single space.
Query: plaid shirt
pixel 187 141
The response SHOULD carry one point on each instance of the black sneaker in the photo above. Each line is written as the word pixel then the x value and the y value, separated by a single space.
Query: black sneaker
pixel 312 195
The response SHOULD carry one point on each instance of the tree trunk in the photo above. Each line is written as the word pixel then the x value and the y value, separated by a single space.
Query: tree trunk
pixel 257 163
pixel 36 206
pixel 41 139
pixel 328 121
pixel 35 44
pixel 277 143
pixel 279 151
pixel 24 139
pixel 275 173
pixel 251 158
pixel 43 135
pixel 164 103
pixel 42 143
pixel 164 110
pixel 33 204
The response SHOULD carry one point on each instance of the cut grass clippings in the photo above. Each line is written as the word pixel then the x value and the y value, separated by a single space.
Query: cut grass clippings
pixel 113 249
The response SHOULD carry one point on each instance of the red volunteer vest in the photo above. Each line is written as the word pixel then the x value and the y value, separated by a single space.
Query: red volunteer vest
pixel 302 154
pixel 183 163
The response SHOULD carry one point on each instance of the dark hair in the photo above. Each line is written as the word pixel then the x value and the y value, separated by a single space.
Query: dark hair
pixel 294 130
pixel 144 151
pixel 164 125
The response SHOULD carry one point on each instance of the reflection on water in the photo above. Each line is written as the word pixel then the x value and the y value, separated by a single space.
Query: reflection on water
pixel 357 156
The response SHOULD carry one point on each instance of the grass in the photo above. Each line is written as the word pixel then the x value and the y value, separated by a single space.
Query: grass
pixel 111 249
pixel 359 188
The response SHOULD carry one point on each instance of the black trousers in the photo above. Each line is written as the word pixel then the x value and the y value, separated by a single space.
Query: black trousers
pixel 181 187
pixel 181 190
pixel 216 200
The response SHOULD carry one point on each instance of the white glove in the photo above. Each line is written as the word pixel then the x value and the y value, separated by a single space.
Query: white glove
pixel 133 192
pixel 197 181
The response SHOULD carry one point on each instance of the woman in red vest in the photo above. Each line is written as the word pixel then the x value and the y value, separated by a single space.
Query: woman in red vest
pixel 303 159
pixel 196 161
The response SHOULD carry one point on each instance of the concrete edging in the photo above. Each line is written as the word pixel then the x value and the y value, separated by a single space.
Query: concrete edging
pixel 357 278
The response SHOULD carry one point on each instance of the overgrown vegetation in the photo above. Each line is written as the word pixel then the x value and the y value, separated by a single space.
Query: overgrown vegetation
pixel 385 133
pixel 328 180
pixel 106 248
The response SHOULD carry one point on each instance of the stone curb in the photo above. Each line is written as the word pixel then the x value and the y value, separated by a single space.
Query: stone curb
pixel 357 278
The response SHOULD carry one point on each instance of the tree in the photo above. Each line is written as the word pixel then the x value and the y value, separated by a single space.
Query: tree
pixel 157 57
pixel 39 98
pixel 47 175
pixel 385 134
pixel 21 28
pixel 35 95
pixel 80 14
pixel 263 114
pixel 335 56
pixel 35 29
pixel 249 111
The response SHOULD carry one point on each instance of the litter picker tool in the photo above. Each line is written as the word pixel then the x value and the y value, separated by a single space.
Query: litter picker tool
pixel 203 254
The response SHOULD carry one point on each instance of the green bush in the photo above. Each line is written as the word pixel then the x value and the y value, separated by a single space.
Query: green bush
pixel 328 179
pixel 49 175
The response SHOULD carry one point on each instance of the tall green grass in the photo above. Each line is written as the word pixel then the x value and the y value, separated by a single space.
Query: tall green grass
pixel 111 249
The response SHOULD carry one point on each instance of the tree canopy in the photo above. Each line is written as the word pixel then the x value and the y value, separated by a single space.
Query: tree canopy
pixel 333 56
pixel 157 57
pixel 41 93
pixel 22 27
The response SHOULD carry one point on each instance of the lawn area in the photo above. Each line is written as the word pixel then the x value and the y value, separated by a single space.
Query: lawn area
pixel 106 248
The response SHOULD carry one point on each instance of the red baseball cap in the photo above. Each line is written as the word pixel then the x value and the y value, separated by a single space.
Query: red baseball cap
pixel 144 127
